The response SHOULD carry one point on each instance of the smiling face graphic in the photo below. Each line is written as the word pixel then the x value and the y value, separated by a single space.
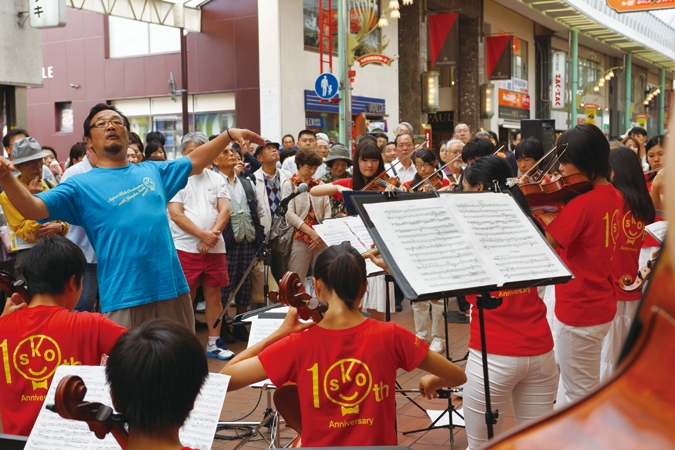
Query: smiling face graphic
pixel 36 358
pixel 347 383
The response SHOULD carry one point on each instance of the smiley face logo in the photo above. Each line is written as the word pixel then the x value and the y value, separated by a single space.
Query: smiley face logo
pixel 632 227
pixel 36 358
pixel 347 383
pixel 148 183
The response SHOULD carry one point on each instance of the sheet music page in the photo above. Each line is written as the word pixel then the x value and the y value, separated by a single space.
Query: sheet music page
pixel 658 230
pixel 52 432
pixel 260 329
pixel 510 243
pixel 429 245
pixel 351 228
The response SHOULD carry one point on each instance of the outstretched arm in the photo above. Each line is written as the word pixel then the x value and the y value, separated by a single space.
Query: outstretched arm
pixel 327 189
pixel 205 154
pixel 246 368
pixel 443 374
pixel 29 206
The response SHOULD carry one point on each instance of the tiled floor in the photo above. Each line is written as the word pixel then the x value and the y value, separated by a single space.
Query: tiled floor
pixel 409 417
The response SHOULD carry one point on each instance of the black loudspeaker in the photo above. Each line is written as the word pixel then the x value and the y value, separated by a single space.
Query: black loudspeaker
pixel 541 129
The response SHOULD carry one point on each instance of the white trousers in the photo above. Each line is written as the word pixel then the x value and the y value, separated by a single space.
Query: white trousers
pixel 578 354
pixel 616 337
pixel 423 323
pixel 528 382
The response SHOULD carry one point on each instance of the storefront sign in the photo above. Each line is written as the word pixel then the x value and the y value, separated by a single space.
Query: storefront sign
pixel 376 108
pixel 513 105
pixel 641 120
pixel 520 85
pixel 47 13
pixel 639 5
pixel 591 112
pixel 558 80
pixel 374 58
pixel 314 122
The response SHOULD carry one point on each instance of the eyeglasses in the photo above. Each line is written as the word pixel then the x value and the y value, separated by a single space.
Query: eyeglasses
pixel 421 165
pixel 103 123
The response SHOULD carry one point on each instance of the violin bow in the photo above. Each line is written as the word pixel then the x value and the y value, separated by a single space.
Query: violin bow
pixel 501 147
pixel 554 161
pixel 546 155
pixel 374 180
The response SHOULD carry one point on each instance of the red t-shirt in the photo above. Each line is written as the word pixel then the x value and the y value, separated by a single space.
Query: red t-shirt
pixel 626 258
pixel 518 327
pixel 407 184
pixel 344 182
pixel 346 380
pixel 33 343
pixel 587 230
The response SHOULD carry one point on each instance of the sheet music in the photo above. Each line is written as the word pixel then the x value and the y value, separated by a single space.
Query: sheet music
pixel 428 245
pixel 260 329
pixel 463 241
pixel 351 228
pixel 52 432
pixel 507 239
pixel 658 230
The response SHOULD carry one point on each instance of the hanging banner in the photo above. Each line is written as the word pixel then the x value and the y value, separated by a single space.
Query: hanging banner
pixel 591 112
pixel 641 120
pixel 498 56
pixel 558 80
pixel 444 39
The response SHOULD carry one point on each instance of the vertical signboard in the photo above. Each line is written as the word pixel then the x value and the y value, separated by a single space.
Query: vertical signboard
pixel 558 80
pixel 47 13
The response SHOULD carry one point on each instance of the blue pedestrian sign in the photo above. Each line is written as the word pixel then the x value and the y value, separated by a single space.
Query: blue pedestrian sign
pixel 326 86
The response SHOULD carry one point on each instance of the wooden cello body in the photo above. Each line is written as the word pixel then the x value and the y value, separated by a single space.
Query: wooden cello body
pixel 635 408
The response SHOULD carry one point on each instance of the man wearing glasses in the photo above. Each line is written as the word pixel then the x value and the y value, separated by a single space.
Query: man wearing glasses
pixel 122 208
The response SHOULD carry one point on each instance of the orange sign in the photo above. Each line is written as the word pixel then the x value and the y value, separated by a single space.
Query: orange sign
pixel 639 5
pixel 514 99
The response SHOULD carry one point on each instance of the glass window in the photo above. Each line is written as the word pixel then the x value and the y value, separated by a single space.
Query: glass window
pixel 589 72
pixel 363 16
pixel 140 126
pixel 214 123
pixel 519 59
pixel 171 126
pixel 64 117
pixel 133 38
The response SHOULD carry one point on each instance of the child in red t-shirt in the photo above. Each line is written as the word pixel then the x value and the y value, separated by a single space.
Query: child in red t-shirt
pixel 37 338
pixel 636 213
pixel 585 231
pixel 155 373
pixel 345 366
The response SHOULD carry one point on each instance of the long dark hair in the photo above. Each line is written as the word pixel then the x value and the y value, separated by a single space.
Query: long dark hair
pixel 366 149
pixel 429 157
pixel 588 150
pixel 630 181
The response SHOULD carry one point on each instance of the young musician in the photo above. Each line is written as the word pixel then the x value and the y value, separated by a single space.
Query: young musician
pixel 345 366
pixel 636 213
pixel 585 233
pixel 38 338
pixel 426 163
pixel 521 361
pixel 655 176
pixel 155 373
pixel 528 153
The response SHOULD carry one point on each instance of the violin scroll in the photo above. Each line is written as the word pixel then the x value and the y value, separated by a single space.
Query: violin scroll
pixel 292 293
pixel 69 403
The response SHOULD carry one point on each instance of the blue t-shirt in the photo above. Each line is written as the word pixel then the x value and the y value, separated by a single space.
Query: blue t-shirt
pixel 123 212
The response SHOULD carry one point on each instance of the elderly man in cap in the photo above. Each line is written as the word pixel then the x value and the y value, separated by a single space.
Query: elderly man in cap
pixel 28 156
pixel 268 181
pixel 337 163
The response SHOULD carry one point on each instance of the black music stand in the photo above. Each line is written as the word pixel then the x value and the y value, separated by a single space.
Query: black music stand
pixel 445 394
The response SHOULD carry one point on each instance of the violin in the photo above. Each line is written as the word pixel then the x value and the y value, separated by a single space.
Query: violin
pixel 381 184
pixel 69 403
pixel 557 192
pixel 292 293
pixel 10 285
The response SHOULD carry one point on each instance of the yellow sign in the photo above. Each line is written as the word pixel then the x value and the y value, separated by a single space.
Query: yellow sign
pixel 591 112
pixel 641 120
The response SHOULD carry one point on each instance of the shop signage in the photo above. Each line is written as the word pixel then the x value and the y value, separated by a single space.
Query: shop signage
pixel 314 122
pixel 498 55
pixel 47 13
pixel 591 112
pixel 513 105
pixel 558 80
pixel 520 85
pixel 639 5
pixel 374 58
pixel 376 108
pixel 641 120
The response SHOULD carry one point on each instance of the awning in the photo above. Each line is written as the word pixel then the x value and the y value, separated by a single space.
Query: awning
pixel 641 33
pixel 171 13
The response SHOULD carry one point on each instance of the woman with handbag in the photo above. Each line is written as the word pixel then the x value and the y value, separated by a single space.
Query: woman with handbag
pixel 305 211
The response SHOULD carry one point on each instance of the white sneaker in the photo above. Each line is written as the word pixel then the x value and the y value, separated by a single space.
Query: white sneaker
pixel 201 307
pixel 437 345
pixel 460 392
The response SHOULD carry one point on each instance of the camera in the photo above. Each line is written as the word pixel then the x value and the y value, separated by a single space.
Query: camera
pixel 247 166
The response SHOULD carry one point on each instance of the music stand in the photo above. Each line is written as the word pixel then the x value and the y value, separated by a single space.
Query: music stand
pixel 445 394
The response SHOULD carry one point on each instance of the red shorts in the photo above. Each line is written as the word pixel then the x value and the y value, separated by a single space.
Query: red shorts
pixel 204 270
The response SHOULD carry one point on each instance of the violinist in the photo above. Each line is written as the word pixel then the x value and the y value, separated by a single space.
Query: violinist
pixel 636 213
pixel 33 336
pixel 368 165
pixel 476 148
pixel 155 373
pixel 448 152
pixel 584 232
pixel 356 359
pixel 426 163
pixel 528 152
pixel 521 361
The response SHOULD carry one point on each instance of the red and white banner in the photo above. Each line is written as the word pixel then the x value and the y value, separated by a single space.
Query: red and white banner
pixel 374 58
pixel 558 80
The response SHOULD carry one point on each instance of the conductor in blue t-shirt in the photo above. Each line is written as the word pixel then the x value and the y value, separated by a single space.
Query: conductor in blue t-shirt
pixel 122 208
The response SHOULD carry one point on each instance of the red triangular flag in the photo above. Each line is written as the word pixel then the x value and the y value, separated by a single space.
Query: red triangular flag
pixel 494 47
pixel 439 28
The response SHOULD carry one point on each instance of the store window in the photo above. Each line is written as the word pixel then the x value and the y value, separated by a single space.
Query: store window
pixel 363 15
pixel 64 117
pixel 589 72
pixel 519 59
pixel 133 38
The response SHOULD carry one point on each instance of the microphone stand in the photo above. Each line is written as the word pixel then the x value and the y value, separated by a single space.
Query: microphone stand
pixel 264 252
